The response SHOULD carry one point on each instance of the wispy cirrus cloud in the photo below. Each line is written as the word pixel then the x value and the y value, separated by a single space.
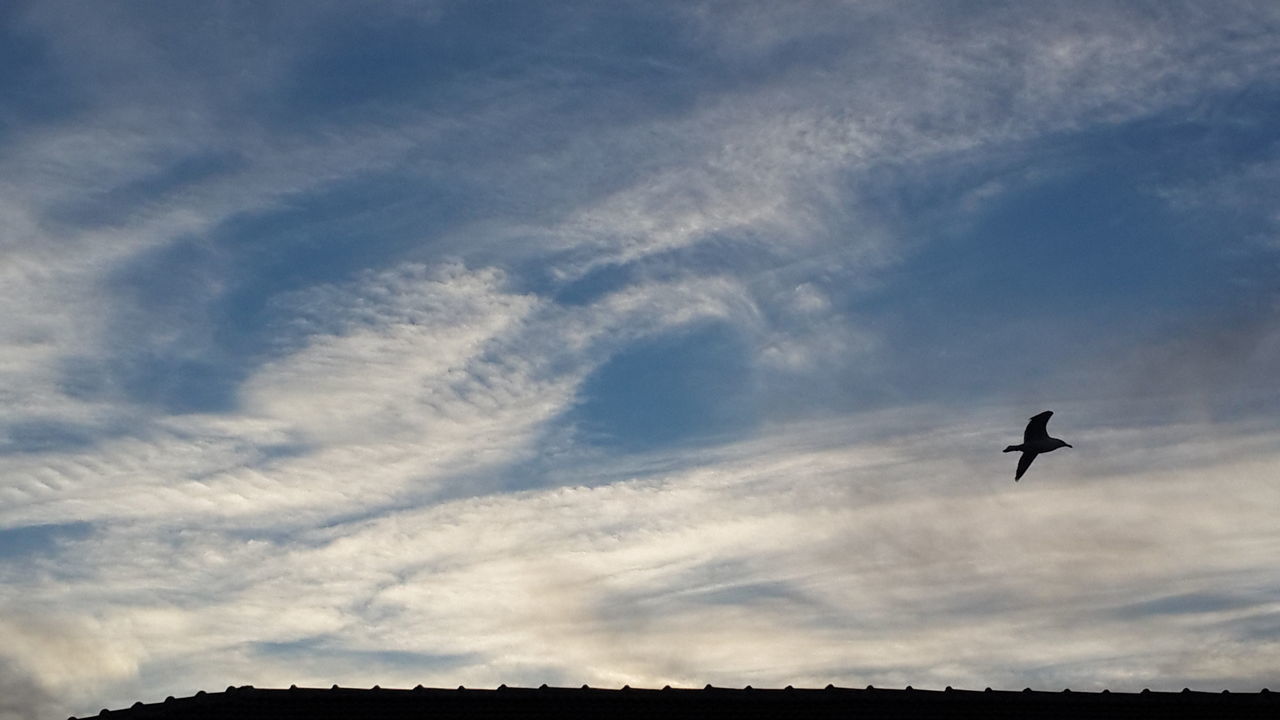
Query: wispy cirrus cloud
pixel 466 375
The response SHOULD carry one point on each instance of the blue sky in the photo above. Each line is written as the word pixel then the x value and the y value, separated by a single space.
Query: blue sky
pixel 636 343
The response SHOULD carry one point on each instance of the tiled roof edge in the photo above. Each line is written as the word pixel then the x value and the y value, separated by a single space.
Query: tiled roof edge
pixel 830 694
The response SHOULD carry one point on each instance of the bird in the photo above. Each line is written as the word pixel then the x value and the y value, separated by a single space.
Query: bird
pixel 1035 440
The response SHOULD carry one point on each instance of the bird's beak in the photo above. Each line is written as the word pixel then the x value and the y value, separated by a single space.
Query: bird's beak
pixel 1069 445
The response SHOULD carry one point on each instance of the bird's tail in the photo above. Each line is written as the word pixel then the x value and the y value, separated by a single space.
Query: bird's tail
pixel 1013 448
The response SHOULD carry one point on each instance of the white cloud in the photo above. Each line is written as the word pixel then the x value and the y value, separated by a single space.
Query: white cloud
pixel 395 384
pixel 22 698
pixel 410 349
pixel 848 561
pixel 753 168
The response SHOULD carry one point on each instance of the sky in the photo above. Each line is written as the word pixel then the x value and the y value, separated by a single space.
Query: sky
pixel 468 343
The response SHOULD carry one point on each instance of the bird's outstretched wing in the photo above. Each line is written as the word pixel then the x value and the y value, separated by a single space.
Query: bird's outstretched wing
pixel 1024 462
pixel 1038 428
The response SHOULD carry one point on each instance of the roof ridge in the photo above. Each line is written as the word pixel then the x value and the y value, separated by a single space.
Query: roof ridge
pixel 747 701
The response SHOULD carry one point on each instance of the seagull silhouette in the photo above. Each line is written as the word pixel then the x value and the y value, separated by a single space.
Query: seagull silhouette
pixel 1035 440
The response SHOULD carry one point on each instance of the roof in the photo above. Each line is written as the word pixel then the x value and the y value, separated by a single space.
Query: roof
pixel 709 702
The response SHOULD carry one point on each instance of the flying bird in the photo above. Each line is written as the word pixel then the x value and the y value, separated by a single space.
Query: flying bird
pixel 1035 440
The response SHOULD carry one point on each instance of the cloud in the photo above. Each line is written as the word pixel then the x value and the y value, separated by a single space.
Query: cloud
pixel 750 168
pixel 405 340
pixel 21 698
pixel 466 376
pixel 50 659
pixel 897 552
pixel 869 546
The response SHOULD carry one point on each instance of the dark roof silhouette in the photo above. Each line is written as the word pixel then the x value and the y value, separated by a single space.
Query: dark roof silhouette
pixel 547 702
